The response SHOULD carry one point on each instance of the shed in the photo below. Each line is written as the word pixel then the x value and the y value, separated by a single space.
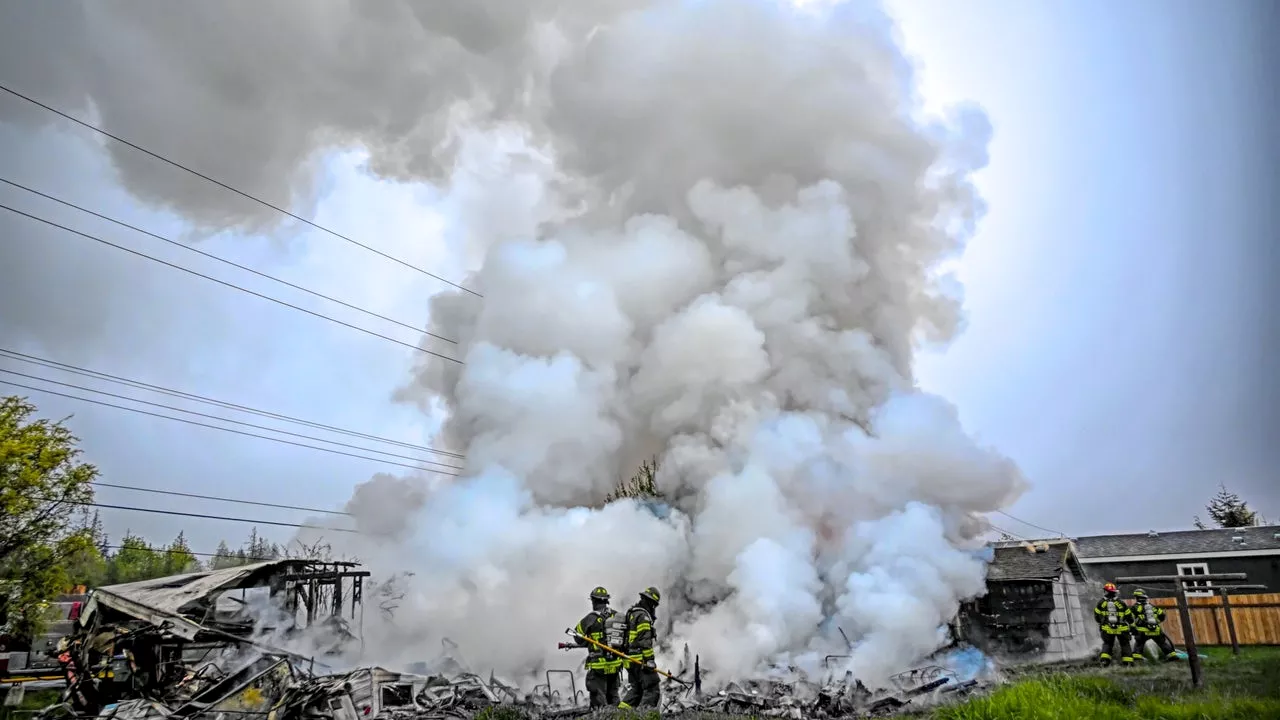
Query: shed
pixel 1033 608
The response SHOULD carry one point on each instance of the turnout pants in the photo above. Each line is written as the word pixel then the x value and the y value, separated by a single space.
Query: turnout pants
pixel 1109 640
pixel 602 688
pixel 1162 641
pixel 645 690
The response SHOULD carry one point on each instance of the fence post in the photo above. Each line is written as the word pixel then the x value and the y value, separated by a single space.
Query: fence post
pixel 1231 623
pixel 1189 636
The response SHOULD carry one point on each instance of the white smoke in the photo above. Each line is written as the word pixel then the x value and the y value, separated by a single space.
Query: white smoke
pixel 724 253
pixel 711 231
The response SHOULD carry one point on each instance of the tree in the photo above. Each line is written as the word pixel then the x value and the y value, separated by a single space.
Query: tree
pixel 1227 510
pixel 136 560
pixel 178 558
pixel 259 548
pixel 223 557
pixel 42 483
pixel 89 563
pixel 642 485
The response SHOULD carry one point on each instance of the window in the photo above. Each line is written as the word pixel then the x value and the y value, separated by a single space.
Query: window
pixel 1196 569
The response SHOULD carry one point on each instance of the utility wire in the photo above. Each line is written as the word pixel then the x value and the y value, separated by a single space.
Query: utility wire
pixel 1030 524
pixel 237 191
pixel 1015 536
pixel 98 375
pixel 224 429
pixel 228 420
pixel 198 496
pixel 211 256
pixel 179 513
pixel 227 284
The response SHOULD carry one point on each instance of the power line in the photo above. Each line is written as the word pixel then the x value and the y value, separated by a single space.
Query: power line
pixel 211 256
pixel 99 375
pixel 1006 532
pixel 198 496
pixel 234 422
pixel 224 429
pixel 205 516
pixel 237 191
pixel 228 284
pixel 1029 524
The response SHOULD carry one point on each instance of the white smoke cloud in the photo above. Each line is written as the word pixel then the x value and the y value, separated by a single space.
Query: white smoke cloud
pixel 710 231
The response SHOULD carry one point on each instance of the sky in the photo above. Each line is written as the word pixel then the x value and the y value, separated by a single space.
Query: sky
pixel 1115 331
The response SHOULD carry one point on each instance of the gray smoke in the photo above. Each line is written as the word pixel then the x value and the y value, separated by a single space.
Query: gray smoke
pixel 711 231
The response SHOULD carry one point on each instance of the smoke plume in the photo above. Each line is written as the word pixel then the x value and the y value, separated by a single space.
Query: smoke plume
pixel 711 232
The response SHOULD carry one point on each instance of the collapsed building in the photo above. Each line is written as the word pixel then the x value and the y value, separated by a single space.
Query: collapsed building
pixel 211 645
pixel 173 637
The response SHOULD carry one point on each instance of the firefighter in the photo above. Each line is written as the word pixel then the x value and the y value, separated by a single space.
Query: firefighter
pixel 603 625
pixel 1113 617
pixel 644 690
pixel 1147 625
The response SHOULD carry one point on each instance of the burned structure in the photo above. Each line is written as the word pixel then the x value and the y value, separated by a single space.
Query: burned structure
pixel 224 644
pixel 1033 609
pixel 176 638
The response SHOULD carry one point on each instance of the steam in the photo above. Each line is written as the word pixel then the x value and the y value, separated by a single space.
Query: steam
pixel 710 231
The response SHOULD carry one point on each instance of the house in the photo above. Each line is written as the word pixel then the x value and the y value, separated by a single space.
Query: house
pixel 1037 604
pixel 1251 550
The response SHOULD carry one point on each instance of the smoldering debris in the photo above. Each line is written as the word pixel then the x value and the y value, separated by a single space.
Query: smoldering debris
pixel 170 649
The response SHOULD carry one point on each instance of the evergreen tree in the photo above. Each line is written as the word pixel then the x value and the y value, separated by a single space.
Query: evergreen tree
pixel 223 557
pixel 178 558
pixel 1227 510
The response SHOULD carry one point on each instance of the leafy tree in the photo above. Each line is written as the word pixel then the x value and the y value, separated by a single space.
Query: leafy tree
pixel 42 483
pixel 1227 510
pixel 88 564
pixel 135 560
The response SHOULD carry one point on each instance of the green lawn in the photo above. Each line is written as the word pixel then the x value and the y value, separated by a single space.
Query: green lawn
pixel 1236 688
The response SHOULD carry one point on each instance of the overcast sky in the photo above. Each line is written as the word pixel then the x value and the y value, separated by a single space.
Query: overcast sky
pixel 1116 335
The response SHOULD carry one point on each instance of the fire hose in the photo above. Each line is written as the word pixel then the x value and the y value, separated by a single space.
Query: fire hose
pixel 624 656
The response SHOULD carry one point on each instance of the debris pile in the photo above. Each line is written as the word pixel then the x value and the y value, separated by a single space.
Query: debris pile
pixel 837 698
pixel 189 646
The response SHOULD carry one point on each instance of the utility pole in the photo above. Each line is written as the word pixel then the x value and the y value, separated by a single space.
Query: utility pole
pixel 1184 610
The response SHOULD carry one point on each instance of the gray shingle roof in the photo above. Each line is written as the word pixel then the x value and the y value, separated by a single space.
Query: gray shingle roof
pixel 1180 542
pixel 1014 561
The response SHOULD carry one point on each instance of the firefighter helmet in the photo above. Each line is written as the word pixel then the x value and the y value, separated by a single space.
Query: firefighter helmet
pixel 1109 587
pixel 600 595
pixel 1140 593
pixel 651 594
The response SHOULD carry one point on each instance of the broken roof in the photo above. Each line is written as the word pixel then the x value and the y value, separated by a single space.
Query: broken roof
pixel 1037 560
pixel 174 593
pixel 1180 542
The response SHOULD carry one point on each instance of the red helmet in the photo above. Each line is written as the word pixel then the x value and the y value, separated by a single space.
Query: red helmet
pixel 1109 587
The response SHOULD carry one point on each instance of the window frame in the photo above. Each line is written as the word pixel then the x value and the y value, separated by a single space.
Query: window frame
pixel 1187 569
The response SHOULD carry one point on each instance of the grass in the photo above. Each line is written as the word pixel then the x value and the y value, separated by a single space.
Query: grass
pixel 31 701
pixel 1236 688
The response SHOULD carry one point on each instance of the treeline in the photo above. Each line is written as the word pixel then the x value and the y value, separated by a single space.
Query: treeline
pixel 135 559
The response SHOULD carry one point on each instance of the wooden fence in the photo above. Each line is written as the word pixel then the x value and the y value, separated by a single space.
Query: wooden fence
pixel 1257 619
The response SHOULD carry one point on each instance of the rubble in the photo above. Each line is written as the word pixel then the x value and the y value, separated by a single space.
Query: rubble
pixel 837 698
pixel 173 649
